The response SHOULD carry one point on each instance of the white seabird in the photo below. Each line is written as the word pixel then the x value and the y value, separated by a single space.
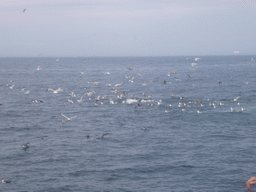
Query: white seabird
pixel 197 59
pixel 193 64
pixel 56 90
pixel 236 52
pixel 68 118
pixel 80 99
pixel 118 84
pixel 72 94
pixel 236 99
pixel 11 87
pixel 38 68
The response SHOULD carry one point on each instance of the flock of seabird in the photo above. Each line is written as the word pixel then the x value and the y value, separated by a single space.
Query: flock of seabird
pixel 145 99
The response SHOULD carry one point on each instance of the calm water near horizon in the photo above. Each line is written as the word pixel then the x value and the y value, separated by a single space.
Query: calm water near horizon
pixel 170 125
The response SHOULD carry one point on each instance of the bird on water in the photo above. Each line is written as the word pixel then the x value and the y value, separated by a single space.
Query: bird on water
pixel 5 181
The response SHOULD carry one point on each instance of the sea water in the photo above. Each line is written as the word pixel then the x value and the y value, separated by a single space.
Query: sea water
pixel 170 123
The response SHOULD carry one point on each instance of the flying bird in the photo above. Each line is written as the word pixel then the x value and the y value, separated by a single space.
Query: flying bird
pixel 193 64
pixel 236 99
pixel 101 137
pixel 197 59
pixel 236 52
pixel 68 118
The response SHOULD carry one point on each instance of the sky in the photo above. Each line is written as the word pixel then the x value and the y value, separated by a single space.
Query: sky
pixel 96 28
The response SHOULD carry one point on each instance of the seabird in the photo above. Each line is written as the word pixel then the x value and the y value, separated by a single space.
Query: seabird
pixel 89 94
pixel 193 64
pixel 236 99
pixel 129 68
pixel 38 67
pixel 42 137
pixel 26 145
pixel 131 80
pixel 80 99
pixel 171 73
pixel 11 87
pixel 94 83
pixel 197 59
pixel 236 52
pixel 147 96
pixel 138 104
pixel 101 137
pixel 5 181
pixel 37 101
pixel 67 117
pixel 177 79
pixel 55 91
pixel 72 94
pixel 70 101
pixel 118 84
pixel 111 101
pixel 160 102
pixel 24 10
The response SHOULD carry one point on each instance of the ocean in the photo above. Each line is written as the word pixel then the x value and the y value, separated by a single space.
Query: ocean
pixel 128 123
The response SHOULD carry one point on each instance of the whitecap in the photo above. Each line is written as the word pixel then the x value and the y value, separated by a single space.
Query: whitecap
pixel 130 101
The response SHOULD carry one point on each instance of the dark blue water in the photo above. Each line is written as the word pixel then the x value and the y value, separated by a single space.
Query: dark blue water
pixel 192 133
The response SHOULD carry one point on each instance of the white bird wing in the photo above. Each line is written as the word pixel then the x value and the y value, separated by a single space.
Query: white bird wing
pixel 236 98
pixel 64 116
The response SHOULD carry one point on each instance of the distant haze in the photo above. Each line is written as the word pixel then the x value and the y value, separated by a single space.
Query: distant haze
pixel 58 28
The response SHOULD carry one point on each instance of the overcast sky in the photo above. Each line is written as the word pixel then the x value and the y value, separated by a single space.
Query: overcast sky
pixel 127 27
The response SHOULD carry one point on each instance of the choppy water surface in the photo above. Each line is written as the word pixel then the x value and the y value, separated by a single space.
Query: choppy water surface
pixel 170 126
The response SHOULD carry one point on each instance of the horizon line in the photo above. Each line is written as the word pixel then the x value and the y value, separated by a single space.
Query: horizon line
pixel 123 56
